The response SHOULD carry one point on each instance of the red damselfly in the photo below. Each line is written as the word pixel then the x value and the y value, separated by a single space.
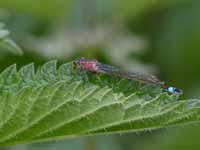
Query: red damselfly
pixel 93 65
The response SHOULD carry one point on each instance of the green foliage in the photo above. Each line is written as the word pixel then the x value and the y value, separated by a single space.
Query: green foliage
pixel 134 8
pixel 176 139
pixel 6 43
pixel 64 102
pixel 45 9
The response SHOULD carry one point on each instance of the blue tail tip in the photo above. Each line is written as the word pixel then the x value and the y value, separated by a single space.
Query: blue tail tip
pixel 173 90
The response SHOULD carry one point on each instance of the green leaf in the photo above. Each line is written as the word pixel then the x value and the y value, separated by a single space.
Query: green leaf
pixel 53 103
pixel 6 43
pixel 4 33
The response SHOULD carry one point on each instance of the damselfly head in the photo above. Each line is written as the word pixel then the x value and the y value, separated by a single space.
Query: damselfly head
pixel 173 90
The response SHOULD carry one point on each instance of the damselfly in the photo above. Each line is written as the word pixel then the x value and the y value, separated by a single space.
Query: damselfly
pixel 93 65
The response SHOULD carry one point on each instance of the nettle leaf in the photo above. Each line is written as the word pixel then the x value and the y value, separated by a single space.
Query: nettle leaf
pixel 6 43
pixel 55 102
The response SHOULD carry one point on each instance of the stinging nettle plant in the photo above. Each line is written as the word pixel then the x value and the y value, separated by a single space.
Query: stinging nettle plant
pixel 53 102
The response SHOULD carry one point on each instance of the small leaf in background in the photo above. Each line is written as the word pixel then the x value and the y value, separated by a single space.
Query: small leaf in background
pixel 4 33
pixel 6 43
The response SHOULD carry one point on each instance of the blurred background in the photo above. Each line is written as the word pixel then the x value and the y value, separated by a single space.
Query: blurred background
pixel 148 36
